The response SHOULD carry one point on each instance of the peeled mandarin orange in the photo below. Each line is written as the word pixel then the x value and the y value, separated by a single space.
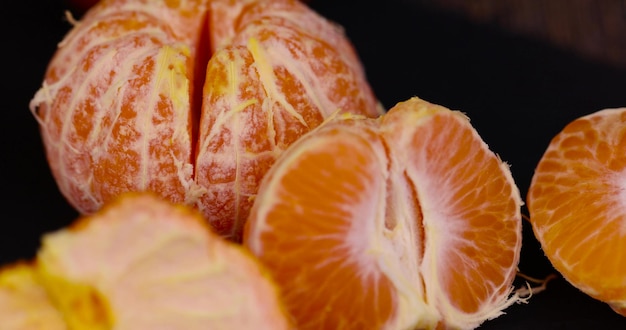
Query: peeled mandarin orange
pixel 143 263
pixel 191 99
pixel 576 205
pixel 401 222
pixel 24 303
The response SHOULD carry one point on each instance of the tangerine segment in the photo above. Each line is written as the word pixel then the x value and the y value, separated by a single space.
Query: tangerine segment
pixel 237 139
pixel 470 210
pixel 115 108
pixel 24 303
pixel 142 263
pixel 317 225
pixel 576 204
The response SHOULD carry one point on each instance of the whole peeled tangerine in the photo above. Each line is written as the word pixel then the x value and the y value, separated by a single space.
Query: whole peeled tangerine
pixel 191 99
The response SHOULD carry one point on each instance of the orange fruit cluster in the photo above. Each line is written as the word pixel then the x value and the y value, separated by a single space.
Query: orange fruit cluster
pixel 257 115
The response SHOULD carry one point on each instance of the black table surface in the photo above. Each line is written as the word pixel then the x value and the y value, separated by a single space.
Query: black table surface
pixel 518 93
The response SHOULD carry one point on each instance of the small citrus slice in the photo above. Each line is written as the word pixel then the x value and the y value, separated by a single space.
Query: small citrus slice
pixel 405 221
pixel 24 303
pixel 576 205
pixel 142 263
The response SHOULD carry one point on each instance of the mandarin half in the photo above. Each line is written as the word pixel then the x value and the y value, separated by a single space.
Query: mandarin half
pixel 403 222
pixel 191 99
pixel 577 207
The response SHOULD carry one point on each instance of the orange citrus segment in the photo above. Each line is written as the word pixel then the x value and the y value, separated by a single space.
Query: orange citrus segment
pixel 576 204
pixel 409 217
pixel 142 263
pixel 115 107
pixel 24 303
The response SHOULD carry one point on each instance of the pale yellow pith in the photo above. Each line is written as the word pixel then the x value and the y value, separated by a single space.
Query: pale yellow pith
pixel 24 302
pixel 82 306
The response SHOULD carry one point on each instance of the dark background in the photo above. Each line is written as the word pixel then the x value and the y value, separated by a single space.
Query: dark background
pixel 518 92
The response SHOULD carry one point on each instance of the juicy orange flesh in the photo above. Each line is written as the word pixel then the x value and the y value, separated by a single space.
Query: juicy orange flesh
pixel 333 198
pixel 576 204
pixel 324 197
pixel 466 187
